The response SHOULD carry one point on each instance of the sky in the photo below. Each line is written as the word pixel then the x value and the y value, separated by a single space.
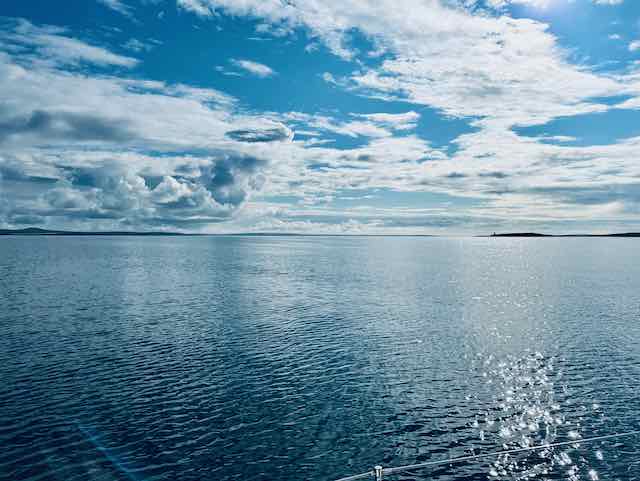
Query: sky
pixel 448 117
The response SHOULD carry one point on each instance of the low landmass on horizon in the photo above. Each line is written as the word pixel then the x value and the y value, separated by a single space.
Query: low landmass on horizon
pixel 34 231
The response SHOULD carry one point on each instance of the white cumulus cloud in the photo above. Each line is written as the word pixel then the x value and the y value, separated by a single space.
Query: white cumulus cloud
pixel 254 68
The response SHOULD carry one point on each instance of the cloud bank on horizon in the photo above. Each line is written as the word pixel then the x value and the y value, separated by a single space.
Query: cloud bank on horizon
pixel 350 116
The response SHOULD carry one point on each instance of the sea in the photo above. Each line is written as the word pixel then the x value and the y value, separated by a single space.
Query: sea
pixel 278 358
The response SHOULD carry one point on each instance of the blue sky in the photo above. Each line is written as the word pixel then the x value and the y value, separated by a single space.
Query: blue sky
pixel 350 116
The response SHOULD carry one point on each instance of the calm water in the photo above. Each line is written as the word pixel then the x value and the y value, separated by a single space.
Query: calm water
pixel 230 358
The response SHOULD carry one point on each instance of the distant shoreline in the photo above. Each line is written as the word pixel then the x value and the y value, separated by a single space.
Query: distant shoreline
pixel 35 231
pixel 535 234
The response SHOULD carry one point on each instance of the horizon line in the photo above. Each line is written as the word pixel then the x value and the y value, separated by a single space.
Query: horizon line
pixel 35 231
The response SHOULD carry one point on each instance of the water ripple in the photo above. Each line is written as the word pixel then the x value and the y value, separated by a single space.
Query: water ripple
pixel 279 359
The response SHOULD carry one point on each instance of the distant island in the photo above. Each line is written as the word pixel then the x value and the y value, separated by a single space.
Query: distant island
pixel 536 234
pixel 520 234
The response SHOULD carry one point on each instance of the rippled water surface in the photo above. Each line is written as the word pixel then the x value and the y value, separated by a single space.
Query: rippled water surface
pixel 284 358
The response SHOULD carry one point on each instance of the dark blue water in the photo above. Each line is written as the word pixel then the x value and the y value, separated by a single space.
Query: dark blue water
pixel 231 358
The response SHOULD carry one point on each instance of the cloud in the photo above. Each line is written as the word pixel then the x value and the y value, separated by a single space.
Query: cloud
pixel 329 78
pixel 364 125
pixel 634 46
pixel 121 195
pixel 542 3
pixel 48 126
pixel 532 3
pixel 85 150
pixel 196 6
pixel 503 69
pixel 50 46
pixel 117 6
pixel 273 134
pixel 254 68
pixel 137 46
pixel 14 168
pixel 230 178
pixel 491 70
pixel 405 121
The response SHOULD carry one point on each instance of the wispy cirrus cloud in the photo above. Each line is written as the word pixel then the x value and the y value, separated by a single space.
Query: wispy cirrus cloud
pixel 53 46
pixel 118 6
pixel 138 46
